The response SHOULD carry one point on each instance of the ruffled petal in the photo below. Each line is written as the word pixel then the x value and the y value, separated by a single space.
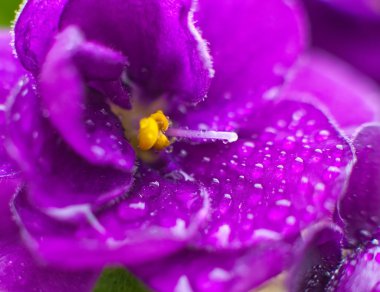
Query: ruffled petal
pixel 359 272
pixel 35 27
pixel 253 44
pixel 155 218
pixel 84 120
pixel 220 272
pixel 10 72
pixel 351 39
pixel 10 68
pixel 20 272
pixel 285 171
pixel 316 259
pixel 360 205
pixel 325 80
pixel 166 53
pixel 56 175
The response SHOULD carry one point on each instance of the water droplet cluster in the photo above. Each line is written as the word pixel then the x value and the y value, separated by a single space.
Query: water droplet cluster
pixel 284 172
pixel 359 271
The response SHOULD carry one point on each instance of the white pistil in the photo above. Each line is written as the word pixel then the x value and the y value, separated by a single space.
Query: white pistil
pixel 201 134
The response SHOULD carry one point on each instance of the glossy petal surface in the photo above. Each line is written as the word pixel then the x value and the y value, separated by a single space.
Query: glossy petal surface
pixel 316 259
pixel 20 272
pixel 155 218
pixel 253 44
pixel 321 78
pixel 166 53
pixel 359 272
pixel 360 206
pixel 225 272
pixel 57 176
pixel 286 170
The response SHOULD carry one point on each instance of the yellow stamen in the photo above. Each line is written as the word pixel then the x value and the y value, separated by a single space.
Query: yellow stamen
pixel 152 132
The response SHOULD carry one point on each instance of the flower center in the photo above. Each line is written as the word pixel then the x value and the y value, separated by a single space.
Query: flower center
pixel 152 132
pixel 154 129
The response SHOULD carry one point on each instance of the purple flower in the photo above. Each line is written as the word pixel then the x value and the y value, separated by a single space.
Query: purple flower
pixel 320 264
pixel 19 270
pixel 201 213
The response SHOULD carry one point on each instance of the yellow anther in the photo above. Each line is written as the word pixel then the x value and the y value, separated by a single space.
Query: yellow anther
pixel 151 133
pixel 162 142
pixel 161 119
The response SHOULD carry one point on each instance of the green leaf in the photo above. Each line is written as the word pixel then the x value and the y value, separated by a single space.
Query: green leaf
pixel 118 280
pixel 8 10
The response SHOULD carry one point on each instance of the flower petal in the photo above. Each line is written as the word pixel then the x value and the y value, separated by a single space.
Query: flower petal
pixel 157 217
pixel 193 270
pixel 360 205
pixel 358 272
pixel 253 44
pixel 56 175
pixel 20 272
pixel 10 73
pixel 84 120
pixel 8 187
pixel 369 9
pixel 351 39
pixel 35 27
pixel 321 78
pixel 317 258
pixel 166 53
pixel 285 171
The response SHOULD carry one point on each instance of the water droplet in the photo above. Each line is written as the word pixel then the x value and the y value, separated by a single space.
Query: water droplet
pixel 322 135
pixel 98 151
pixel 206 159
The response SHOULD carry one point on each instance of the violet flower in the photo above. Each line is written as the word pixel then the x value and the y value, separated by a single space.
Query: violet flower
pixel 203 213
pixel 19 270
pixel 320 266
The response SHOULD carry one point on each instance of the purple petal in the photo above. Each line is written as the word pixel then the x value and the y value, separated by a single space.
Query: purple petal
pixel 369 9
pixel 316 259
pixel 253 44
pixel 355 41
pixel 10 68
pixel 57 176
pixel 285 171
pixel 8 187
pixel 359 272
pixel 360 205
pixel 157 217
pixel 10 73
pixel 220 272
pixel 166 53
pixel 20 272
pixel 35 27
pixel 321 78
pixel 84 120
